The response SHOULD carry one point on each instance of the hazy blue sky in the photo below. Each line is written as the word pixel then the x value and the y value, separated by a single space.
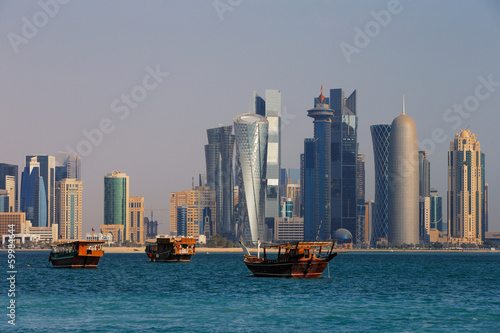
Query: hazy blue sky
pixel 64 73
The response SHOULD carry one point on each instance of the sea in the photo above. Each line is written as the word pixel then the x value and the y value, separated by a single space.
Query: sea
pixel 358 292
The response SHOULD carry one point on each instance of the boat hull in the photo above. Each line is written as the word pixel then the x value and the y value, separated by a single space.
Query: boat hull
pixel 299 268
pixel 169 257
pixel 75 262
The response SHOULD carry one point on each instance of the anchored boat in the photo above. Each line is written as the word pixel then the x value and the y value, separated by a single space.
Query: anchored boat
pixel 76 254
pixel 170 249
pixel 302 259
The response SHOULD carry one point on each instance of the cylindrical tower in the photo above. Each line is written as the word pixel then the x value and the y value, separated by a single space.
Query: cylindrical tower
pixel 251 151
pixel 403 181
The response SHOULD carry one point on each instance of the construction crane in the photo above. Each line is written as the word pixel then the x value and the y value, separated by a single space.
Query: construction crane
pixel 155 210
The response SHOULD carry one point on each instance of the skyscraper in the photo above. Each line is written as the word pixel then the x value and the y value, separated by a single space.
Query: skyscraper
pixel 484 197
pixel 437 211
pixel 464 188
pixel 136 227
pixel 116 202
pixel 360 179
pixel 68 166
pixel 251 131
pixel 177 199
pixel 343 161
pixel 219 164
pixel 403 181
pixel 33 195
pixel 424 171
pixel 11 171
pixel 271 109
pixel 47 173
pixel 69 208
pixel 319 153
pixel 380 219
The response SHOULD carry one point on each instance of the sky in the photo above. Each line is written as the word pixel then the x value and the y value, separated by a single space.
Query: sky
pixel 134 85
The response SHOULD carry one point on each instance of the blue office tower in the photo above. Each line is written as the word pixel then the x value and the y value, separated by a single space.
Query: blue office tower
pixel 344 155
pixel 380 138
pixel 309 161
pixel 33 195
pixel 320 223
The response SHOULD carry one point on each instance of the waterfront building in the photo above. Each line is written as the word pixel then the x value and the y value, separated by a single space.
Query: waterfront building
pixel 424 172
pixel 18 219
pixel 289 229
pixel 69 201
pixel 151 227
pixel 195 212
pixel 117 230
pixel 437 211
pixel 8 181
pixel 293 192
pixel 251 156
pixel 68 166
pixel 369 213
pixel 317 153
pixel 33 195
pixel 485 209
pixel 271 109
pixel 116 205
pixel 47 166
pixel 136 227
pixel 360 179
pixel 403 181
pixel 484 198
pixel 380 138
pixel 464 188
pixel 344 153
pixel 219 165
pixel 424 219
pixel 176 199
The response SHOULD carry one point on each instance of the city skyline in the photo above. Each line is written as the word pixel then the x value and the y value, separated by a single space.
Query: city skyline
pixel 64 86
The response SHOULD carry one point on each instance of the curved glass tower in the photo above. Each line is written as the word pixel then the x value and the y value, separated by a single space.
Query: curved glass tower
pixel 251 155
pixel 380 138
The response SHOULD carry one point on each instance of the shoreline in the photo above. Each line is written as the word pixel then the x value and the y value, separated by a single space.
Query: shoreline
pixel 254 250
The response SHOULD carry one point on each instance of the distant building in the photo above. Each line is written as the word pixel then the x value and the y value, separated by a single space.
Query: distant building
pixel 47 174
pixel 4 201
pixel 425 219
pixel 437 211
pixel 424 171
pixel 403 181
pixel 116 204
pixel 360 179
pixel 380 138
pixel 270 108
pixel 136 228
pixel 484 198
pixel 151 228
pixel 317 156
pixel 18 219
pixel 289 229
pixel 33 195
pixel 293 192
pixel 251 132
pixel 369 211
pixel 344 153
pixel 108 238
pixel 464 188
pixel 68 166
pixel 219 165
pixel 8 181
pixel 177 199
pixel 194 212
pixel 69 208
pixel 117 230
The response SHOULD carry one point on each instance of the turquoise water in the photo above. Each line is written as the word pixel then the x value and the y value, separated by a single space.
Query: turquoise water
pixel 370 292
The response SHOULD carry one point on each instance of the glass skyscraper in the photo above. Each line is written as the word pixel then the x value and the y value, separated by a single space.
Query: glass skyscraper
pixel 219 164
pixel 116 200
pixel 251 132
pixel 380 219
pixel 343 161
pixel 271 109
pixel 47 173
pixel 318 151
pixel 12 171
pixel 33 195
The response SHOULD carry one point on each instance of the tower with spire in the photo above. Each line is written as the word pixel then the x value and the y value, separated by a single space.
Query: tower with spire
pixel 317 157
pixel 403 224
